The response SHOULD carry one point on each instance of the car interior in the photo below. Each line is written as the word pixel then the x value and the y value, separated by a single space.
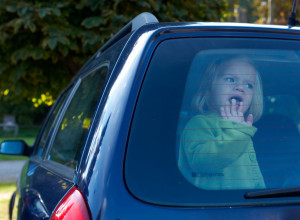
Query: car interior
pixel 276 141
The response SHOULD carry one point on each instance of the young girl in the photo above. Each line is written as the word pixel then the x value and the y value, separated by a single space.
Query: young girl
pixel 216 150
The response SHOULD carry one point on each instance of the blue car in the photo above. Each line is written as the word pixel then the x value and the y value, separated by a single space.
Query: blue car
pixel 172 121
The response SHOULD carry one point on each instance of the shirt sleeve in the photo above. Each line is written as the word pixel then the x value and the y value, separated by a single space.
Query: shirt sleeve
pixel 214 142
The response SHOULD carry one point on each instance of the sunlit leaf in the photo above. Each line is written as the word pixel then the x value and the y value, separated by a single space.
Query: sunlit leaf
pixel 6 91
pixel 52 39
pixel 86 123
pixel 43 97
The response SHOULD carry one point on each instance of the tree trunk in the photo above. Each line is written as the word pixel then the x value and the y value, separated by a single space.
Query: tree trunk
pixel 270 12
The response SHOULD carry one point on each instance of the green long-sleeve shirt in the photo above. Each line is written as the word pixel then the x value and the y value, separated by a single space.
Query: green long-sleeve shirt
pixel 218 154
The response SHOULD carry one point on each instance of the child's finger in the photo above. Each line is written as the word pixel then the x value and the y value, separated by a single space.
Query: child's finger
pixel 241 109
pixel 223 114
pixel 250 119
pixel 227 109
pixel 233 107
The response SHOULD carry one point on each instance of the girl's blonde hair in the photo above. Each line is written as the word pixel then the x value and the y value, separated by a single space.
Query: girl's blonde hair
pixel 208 78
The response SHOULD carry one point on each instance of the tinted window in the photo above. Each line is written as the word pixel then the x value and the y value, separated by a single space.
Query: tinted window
pixel 77 118
pixel 216 118
pixel 47 131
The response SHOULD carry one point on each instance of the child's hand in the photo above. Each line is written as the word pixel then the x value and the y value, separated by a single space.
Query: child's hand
pixel 234 112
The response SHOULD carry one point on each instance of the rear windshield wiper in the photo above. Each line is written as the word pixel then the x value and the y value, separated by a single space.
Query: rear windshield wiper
pixel 274 193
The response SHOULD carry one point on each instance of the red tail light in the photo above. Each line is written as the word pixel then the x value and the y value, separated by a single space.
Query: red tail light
pixel 73 206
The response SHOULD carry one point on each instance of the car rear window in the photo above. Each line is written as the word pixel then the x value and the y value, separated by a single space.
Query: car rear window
pixel 216 118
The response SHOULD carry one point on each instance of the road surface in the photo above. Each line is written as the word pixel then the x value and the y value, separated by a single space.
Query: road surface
pixel 10 170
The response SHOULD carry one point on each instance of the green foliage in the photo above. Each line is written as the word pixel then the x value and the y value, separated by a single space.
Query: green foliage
pixel 44 43
pixel 281 11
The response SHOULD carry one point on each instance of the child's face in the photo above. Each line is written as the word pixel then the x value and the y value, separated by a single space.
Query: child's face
pixel 236 80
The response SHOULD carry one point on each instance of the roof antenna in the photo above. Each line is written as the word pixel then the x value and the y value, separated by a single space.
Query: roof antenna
pixel 292 18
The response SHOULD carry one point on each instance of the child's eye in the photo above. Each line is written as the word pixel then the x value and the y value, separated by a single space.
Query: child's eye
pixel 229 79
pixel 249 86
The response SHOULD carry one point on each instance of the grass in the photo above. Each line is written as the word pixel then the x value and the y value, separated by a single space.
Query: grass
pixel 6 191
pixel 8 157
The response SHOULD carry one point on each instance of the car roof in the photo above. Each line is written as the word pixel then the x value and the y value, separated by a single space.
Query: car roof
pixel 148 22
pixel 222 25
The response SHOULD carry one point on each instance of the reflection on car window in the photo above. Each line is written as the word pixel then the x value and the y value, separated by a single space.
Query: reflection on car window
pixel 77 118
pixel 51 124
pixel 217 116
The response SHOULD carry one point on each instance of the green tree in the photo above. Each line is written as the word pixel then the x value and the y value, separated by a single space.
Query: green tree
pixel 44 43
pixel 275 11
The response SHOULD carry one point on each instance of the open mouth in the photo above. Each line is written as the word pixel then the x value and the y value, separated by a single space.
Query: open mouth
pixel 238 99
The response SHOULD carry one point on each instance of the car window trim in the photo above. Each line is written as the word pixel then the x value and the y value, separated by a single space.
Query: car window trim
pixel 59 169
pixel 200 35
pixel 66 106
pixel 59 119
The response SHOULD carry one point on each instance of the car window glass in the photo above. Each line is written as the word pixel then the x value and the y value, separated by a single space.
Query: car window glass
pixel 77 119
pixel 51 123
pixel 216 118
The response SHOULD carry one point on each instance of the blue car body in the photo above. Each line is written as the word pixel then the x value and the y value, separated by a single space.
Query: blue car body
pixel 99 173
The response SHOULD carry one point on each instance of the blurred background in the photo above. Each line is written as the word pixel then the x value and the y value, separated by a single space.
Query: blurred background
pixel 44 43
